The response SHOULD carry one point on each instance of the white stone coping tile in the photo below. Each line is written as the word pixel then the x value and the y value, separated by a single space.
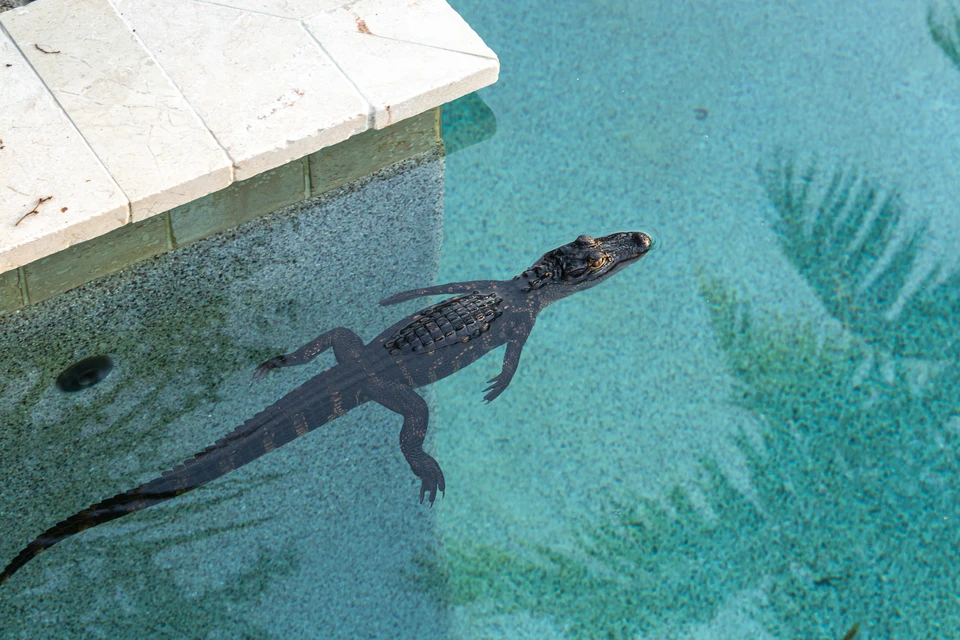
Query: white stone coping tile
pixel 177 98
pixel 297 9
pixel 42 155
pixel 261 84
pixel 405 57
pixel 432 23
pixel 157 149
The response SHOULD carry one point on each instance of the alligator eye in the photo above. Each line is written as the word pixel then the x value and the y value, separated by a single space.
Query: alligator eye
pixel 596 263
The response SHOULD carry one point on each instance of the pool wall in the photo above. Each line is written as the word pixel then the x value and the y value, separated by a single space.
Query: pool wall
pixel 316 539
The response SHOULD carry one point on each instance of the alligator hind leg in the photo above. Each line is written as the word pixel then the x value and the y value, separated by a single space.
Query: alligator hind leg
pixel 402 399
pixel 346 347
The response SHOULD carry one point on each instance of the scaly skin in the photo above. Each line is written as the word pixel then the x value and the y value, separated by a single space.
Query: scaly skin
pixel 418 350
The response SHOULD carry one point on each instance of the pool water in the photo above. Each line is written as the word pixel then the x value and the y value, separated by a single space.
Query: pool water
pixel 753 432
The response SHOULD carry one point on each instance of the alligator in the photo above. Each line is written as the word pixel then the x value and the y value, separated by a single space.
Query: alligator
pixel 416 351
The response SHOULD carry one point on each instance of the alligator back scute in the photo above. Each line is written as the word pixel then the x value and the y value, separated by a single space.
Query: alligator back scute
pixel 459 319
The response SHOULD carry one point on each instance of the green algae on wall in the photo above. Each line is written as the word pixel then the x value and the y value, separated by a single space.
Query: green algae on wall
pixel 186 330
pixel 127 415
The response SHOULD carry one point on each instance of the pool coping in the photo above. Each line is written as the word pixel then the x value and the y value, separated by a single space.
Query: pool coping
pixel 114 113
pixel 323 172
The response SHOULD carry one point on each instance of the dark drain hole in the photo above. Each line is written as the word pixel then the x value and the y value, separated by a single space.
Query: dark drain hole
pixel 84 374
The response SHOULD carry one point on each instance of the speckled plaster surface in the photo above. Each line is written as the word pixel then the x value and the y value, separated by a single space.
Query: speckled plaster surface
pixel 332 517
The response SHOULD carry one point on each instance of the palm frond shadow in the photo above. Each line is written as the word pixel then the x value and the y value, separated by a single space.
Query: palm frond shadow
pixel 123 599
pixel 850 518
pixel 848 237
pixel 850 522
pixel 639 570
pixel 943 22
pixel 856 478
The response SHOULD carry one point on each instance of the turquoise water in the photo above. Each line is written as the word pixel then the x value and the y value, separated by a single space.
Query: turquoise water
pixel 317 539
pixel 753 432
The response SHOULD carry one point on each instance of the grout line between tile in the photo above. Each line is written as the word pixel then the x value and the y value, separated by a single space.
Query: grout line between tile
pixel 433 46
pixel 371 111
pixel 306 177
pixel 173 83
pixel 345 5
pixel 168 226
pixel 3 29
pixel 348 5
pixel 22 281
pixel 245 10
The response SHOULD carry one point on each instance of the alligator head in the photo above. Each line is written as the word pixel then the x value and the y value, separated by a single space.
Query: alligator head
pixel 585 262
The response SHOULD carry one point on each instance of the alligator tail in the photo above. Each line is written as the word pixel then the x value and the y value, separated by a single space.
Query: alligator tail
pixel 301 411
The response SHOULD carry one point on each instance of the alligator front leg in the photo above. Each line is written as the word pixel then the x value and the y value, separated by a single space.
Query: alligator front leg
pixel 402 399
pixel 453 287
pixel 511 360
pixel 346 346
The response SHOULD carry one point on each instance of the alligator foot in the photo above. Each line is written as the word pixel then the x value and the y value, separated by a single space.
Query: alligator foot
pixel 431 478
pixel 498 384
pixel 273 363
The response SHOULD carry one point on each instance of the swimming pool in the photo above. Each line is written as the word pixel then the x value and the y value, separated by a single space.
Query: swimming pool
pixel 750 433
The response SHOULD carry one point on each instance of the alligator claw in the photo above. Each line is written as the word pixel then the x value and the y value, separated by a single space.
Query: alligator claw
pixel 431 478
pixel 496 388
pixel 432 490
pixel 273 363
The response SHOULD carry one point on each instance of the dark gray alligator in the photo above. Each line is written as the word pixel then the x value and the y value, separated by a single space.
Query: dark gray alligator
pixel 416 351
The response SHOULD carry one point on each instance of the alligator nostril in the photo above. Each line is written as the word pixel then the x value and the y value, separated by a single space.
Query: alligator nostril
pixel 85 373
